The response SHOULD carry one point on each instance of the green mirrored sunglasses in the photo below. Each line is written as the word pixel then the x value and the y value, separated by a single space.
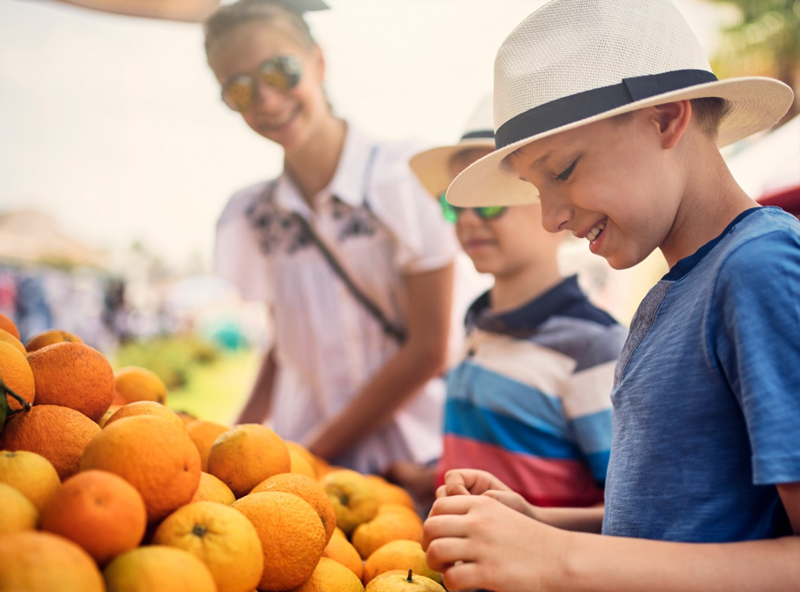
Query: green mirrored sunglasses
pixel 451 212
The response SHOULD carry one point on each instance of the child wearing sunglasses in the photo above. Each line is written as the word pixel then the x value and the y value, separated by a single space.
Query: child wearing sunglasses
pixel 608 114
pixel 345 247
pixel 530 400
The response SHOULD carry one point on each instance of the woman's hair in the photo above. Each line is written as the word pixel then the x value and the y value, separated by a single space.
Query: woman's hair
pixel 244 11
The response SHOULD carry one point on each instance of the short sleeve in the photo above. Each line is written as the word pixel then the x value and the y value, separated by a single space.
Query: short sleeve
pixel 758 345
pixel 237 256
pixel 425 241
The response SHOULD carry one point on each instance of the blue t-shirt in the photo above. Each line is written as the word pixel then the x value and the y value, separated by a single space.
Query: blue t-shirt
pixel 707 392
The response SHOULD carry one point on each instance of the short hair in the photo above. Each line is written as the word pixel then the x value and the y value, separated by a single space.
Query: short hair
pixel 708 112
pixel 244 11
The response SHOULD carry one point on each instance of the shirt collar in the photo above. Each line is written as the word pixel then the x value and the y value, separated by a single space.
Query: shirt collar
pixel 526 319
pixel 348 183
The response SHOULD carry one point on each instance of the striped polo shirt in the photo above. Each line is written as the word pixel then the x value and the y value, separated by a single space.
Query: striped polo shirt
pixel 530 401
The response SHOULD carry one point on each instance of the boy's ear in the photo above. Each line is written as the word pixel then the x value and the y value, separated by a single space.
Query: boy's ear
pixel 671 121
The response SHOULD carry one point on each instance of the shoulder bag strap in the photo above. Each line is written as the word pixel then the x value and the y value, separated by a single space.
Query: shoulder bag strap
pixel 396 332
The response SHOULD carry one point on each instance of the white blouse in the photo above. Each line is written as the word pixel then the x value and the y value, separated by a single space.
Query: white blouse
pixel 327 344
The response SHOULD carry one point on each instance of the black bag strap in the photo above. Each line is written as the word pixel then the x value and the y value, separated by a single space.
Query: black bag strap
pixel 396 332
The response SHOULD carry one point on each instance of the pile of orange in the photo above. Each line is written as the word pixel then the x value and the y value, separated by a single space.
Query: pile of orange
pixel 131 496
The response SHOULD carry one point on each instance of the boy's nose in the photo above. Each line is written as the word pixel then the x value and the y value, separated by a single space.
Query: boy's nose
pixel 468 218
pixel 556 216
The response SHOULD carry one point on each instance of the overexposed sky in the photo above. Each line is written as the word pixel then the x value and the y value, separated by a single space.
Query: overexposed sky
pixel 114 124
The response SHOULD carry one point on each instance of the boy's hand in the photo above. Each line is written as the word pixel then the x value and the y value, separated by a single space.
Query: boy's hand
pixel 477 542
pixel 469 482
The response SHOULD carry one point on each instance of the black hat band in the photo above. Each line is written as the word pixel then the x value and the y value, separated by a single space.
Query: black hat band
pixel 583 105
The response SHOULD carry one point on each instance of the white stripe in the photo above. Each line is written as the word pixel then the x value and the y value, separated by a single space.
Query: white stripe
pixel 534 365
pixel 589 391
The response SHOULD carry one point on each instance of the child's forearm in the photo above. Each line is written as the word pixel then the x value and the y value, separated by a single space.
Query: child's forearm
pixel 612 564
pixel 574 519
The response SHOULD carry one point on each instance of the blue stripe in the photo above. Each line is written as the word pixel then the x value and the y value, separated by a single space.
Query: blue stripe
pixel 598 464
pixel 471 383
pixel 593 432
pixel 468 421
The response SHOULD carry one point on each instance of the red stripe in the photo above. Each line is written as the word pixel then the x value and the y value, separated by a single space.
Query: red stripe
pixel 542 481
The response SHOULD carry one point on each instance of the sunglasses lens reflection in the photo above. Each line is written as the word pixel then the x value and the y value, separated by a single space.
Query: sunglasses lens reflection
pixel 490 212
pixel 281 73
pixel 238 93
pixel 450 212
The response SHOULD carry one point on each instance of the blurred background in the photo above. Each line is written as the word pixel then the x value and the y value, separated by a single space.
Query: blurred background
pixel 117 155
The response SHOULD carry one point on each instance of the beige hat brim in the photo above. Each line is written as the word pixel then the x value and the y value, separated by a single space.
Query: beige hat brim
pixel 756 104
pixel 432 167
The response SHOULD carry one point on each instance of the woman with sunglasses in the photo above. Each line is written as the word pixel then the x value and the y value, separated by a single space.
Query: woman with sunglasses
pixel 352 259
pixel 530 401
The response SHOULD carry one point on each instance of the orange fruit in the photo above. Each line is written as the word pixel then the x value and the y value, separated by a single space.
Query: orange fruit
pixel 186 417
pixel 384 528
pixel 203 434
pixel 331 576
pixel 16 374
pixel 7 324
pixel 212 489
pixel 152 454
pixel 99 511
pixel 43 562
pixel 246 455
pixel 50 337
pixel 291 534
pixel 339 549
pixel 352 497
pixel 145 408
pixel 18 514
pixel 402 555
pixel 107 415
pixel 399 509
pixel 158 568
pixel 307 488
pixel 7 337
pixel 322 467
pixel 140 384
pixel 300 465
pixel 29 473
pixel 73 375
pixel 219 536
pixel 59 434
pixel 398 580
pixel 388 493
pixel 118 399
pixel 302 451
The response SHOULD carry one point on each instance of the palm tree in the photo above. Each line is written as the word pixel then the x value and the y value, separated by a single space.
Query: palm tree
pixel 764 42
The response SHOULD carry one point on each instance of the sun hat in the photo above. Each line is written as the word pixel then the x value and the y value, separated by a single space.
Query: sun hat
pixel 432 166
pixel 574 62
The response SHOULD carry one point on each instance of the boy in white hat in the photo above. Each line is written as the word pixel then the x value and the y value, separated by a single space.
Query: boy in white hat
pixel 609 113
pixel 530 398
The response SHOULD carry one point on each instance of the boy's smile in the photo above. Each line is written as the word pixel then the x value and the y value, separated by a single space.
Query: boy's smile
pixel 605 182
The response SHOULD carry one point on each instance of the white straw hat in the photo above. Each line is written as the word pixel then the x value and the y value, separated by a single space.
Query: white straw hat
pixel 574 62
pixel 432 166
